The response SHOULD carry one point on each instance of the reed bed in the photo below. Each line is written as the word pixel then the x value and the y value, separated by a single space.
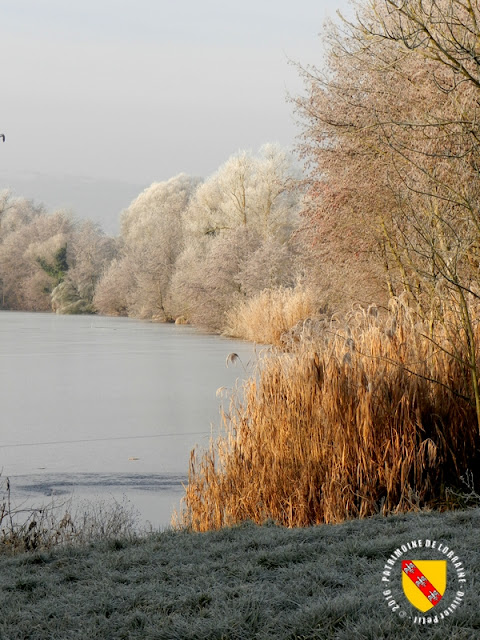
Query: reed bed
pixel 266 317
pixel 348 422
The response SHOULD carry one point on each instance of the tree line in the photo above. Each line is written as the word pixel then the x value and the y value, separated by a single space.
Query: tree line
pixel 188 248
pixel 47 260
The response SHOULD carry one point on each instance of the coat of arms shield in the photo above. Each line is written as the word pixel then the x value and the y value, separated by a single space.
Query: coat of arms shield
pixel 424 582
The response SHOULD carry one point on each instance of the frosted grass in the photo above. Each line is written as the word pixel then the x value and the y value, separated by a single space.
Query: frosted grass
pixel 233 584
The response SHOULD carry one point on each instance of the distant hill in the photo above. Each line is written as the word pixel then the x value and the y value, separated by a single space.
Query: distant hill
pixel 99 200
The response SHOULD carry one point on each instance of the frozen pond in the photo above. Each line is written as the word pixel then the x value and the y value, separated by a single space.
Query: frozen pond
pixel 108 407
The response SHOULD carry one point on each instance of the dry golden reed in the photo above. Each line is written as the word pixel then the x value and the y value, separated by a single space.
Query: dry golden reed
pixel 344 425
pixel 266 317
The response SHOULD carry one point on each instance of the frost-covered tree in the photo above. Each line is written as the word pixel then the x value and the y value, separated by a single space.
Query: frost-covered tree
pixel 152 237
pixel 252 191
pixel 391 142
pixel 114 289
pixel 30 250
pixel 16 212
pixel 205 284
pixel 238 227
pixel 47 260
pixel 273 264
pixel 89 253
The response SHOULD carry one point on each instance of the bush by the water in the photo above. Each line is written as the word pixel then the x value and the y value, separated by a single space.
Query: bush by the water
pixel 266 317
pixel 373 417
pixel 57 523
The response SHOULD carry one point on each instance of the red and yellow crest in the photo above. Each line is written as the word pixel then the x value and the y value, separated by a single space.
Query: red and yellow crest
pixel 424 582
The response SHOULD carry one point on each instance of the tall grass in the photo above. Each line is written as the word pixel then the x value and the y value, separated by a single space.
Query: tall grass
pixel 368 418
pixel 266 317
pixel 55 524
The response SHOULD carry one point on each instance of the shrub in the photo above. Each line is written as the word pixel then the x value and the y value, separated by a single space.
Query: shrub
pixel 266 317
pixel 54 524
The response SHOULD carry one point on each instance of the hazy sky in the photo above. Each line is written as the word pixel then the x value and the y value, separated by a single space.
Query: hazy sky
pixel 104 97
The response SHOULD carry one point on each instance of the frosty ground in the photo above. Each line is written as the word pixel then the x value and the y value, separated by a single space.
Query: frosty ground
pixel 241 583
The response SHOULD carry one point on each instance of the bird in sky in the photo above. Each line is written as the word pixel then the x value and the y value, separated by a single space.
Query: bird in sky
pixel 2 136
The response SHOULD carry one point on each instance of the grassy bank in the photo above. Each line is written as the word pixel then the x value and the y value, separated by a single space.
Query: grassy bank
pixel 246 583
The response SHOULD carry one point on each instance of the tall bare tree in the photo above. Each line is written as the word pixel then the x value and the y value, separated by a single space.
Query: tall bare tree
pixel 391 138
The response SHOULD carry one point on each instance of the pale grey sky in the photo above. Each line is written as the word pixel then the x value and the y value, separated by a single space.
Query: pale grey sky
pixel 102 97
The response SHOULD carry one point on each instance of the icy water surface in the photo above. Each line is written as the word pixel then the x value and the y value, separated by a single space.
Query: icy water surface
pixel 108 407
